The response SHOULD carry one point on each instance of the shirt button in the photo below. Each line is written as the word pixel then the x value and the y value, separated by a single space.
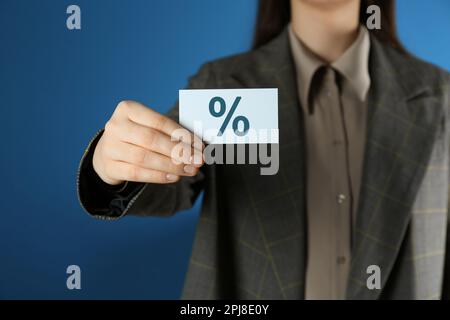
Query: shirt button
pixel 341 260
pixel 341 198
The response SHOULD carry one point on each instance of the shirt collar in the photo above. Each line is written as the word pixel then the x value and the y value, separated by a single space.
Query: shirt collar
pixel 353 64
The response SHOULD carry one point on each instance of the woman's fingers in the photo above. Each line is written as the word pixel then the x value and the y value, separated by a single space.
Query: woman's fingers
pixel 147 159
pixel 140 114
pixel 128 172
pixel 141 145
pixel 151 139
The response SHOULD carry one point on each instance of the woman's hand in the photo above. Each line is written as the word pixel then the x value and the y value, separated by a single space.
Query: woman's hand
pixel 138 145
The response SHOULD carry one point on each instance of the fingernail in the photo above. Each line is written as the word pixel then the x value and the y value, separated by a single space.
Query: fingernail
pixel 171 177
pixel 198 145
pixel 197 159
pixel 189 169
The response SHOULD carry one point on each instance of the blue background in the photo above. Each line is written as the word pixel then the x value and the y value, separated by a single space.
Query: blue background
pixel 58 87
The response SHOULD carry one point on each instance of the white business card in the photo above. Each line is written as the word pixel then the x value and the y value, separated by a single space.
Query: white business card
pixel 230 116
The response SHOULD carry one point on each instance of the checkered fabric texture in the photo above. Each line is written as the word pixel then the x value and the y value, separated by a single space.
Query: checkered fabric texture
pixel 251 236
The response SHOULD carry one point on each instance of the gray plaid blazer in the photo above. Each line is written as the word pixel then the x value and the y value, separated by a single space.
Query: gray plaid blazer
pixel 251 238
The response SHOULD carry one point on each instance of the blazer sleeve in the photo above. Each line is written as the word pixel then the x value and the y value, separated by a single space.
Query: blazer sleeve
pixel 108 202
pixel 446 282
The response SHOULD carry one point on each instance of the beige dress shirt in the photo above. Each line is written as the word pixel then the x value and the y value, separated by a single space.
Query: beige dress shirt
pixel 334 102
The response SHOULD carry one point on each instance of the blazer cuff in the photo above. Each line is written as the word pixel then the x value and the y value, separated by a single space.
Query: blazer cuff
pixel 98 198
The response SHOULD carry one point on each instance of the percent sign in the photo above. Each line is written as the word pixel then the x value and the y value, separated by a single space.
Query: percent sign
pixel 229 115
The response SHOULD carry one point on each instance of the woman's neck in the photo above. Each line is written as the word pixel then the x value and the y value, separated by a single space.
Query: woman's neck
pixel 326 28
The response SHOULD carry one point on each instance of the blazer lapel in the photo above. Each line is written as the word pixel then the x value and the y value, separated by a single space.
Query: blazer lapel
pixel 400 128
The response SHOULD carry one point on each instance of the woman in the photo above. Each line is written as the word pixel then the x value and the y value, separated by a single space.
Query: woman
pixel 358 209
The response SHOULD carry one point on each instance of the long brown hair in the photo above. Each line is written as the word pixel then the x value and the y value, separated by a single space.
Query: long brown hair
pixel 274 15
